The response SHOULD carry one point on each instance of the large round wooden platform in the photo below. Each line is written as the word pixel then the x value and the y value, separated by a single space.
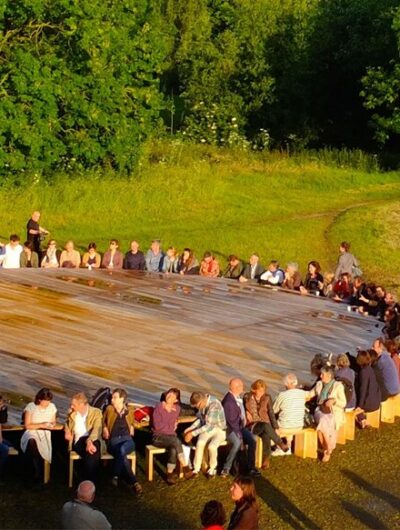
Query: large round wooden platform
pixel 79 330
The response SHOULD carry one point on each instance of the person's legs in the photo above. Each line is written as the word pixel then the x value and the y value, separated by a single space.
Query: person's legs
pixel 173 445
pixel 4 447
pixel 217 438
pixel 249 440
pixel 90 462
pixel 32 452
pixel 200 445
pixel 122 466
pixel 235 442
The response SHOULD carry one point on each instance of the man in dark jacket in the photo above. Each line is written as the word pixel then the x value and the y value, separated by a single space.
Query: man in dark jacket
pixel 237 434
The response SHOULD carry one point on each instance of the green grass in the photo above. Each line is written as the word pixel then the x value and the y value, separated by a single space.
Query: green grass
pixel 284 208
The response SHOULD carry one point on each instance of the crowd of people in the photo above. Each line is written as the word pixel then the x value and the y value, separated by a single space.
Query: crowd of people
pixel 344 285
pixel 358 383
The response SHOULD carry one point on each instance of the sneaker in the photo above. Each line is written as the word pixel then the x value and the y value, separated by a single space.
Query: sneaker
pixel 224 473
pixel 254 473
pixel 137 488
pixel 114 482
pixel 211 474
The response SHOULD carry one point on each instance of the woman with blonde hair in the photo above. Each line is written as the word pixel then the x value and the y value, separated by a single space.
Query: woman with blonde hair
pixel 261 419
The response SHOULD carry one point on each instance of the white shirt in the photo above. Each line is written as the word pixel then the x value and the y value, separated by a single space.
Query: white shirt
pixel 80 425
pixel 11 258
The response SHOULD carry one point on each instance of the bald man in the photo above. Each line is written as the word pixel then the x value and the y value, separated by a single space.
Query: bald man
pixel 34 231
pixel 78 514
pixel 237 434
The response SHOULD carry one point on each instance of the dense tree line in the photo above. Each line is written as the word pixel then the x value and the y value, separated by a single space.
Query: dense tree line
pixel 84 82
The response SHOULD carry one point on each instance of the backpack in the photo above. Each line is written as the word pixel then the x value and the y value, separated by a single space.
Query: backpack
pixel 348 388
pixel 102 398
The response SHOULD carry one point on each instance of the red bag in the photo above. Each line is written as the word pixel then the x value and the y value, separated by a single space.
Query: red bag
pixel 144 414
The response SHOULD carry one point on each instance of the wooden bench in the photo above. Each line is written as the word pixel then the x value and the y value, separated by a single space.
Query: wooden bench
pixel 104 456
pixel 374 418
pixel 396 405
pixel 46 472
pixel 305 441
pixel 350 424
pixel 387 411
pixel 151 452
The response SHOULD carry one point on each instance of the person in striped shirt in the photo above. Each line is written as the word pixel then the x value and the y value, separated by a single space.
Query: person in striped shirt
pixel 289 408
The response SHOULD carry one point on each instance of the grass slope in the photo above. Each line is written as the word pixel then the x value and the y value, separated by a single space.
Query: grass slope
pixel 222 201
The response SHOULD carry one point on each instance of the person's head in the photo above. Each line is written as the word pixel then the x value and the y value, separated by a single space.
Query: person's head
pixel 344 247
pixel 92 247
pixel 119 398
pixel 342 361
pixel 35 216
pixel 171 252
pixel 187 254
pixel 28 246
pixel 233 260
pixel 14 240
pixel 273 265
pixel 198 400
pixel 292 268
pixel 328 278
pixel 43 397
pixel 213 513
pixel 380 292
pixel 236 386
pixel 254 259
pixel 114 244
pixel 207 257
pixel 69 246
pixel 258 388
pixel 391 347
pixel 316 364
pixel 172 396
pixel 244 490
pixel 373 355
pixel 314 267
pixel 79 403
pixel 378 345
pixel 134 246
pixel 86 491
pixel 290 381
pixel 357 281
pixel 345 277
pixel 52 244
pixel 155 246
pixel 363 358
pixel 327 374
pixel 390 299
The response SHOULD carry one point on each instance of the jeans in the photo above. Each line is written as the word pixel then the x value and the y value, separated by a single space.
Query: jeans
pixel 120 447
pixel 266 432
pixel 170 442
pixel 236 442
pixel 4 447
pixel 90 462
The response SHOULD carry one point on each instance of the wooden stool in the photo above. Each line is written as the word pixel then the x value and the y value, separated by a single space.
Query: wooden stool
pixel 152 450
pixel 387 411
pixel 341 435
pixel 396 403
pixel 374 418
pixel 350 425
pixel 104 456
pixel 306 443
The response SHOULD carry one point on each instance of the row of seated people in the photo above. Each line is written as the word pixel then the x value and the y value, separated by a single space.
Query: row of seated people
pixel 238 418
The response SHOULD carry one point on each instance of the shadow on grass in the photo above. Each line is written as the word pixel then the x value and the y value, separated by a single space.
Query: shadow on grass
pixel 283 507
pixel 382 494
pixel 366 518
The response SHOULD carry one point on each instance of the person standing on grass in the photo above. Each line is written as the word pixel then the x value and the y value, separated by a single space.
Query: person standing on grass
pixel 245 514
pixel 79 514
pixel 35 232
pixel 347 263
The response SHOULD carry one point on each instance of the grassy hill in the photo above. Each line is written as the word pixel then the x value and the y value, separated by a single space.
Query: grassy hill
pixel 291 209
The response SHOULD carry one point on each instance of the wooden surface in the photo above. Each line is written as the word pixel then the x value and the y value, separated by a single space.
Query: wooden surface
pixel 80 330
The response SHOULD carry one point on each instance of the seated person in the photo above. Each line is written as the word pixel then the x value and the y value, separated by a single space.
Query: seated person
pixel 368 390
pixel 391 328
pixel 70 258
pixel 273 275
pixel 213 516
pixel 314 281
pixel 113 258
pixel 155 257
pixel 209 266
pixel 234 268
pixel 80 514
pixel 12 255
pixel 342 289
pixel 237 433
pixel 252 270
pixel 347 375
pixel 292 280
pixel 28 258
pixel 50 259
pixel 4 449
pixel 134 258
pixel 290 407
pixel 210 428
pixel 329 414
pixel 118 431
pixel 39 420
pixel 83 430
pixel 171 259
pixel 91 259
pixel 165 417
pixel 329 280
pixel 187 263
pixel 261 419
pixel 385 371
pixel 393 350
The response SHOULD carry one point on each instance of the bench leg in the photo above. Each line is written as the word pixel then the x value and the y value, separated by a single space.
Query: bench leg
pixel 259 452
pixel 149 465
pixel 71 473
pixel 133 464
pixel 46 475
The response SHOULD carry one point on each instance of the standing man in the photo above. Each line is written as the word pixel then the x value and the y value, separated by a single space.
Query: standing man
pixel 34 231
pixel 237 434
pixel 79 513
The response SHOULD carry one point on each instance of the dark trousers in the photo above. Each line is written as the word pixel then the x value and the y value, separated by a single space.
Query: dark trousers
pixel 236 442
pixel 34 459
pixel 90 462
pixel 267 433
pixel 120 447
pixel 170 442
pixel 4 447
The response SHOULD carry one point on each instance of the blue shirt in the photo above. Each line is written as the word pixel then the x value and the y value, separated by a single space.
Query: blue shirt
pixel 386 375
